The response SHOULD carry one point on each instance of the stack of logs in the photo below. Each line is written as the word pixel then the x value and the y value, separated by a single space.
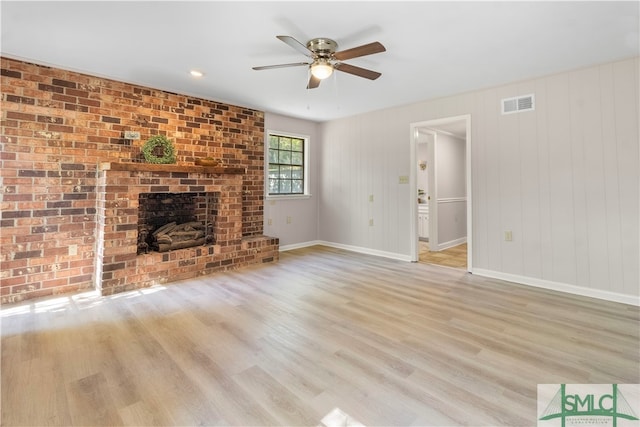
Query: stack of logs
pixel 177 236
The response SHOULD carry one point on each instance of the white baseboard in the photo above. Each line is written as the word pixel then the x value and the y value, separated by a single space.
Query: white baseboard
pixel 367 251
pixel 451 243
pixel 299 245
pixel 560 287
pixel 358 249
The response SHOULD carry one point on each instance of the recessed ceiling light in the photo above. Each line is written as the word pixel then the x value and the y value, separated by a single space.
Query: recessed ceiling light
pixel 196 73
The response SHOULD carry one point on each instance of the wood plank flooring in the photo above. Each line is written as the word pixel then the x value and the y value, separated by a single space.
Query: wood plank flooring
pixel 322 335
pixel 455 257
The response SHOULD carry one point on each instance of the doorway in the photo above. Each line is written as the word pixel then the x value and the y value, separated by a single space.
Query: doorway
pixel 441 180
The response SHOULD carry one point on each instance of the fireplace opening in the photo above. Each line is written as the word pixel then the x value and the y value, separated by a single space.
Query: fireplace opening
pixel 170 221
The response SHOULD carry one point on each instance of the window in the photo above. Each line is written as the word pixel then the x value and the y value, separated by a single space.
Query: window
pixel 286 165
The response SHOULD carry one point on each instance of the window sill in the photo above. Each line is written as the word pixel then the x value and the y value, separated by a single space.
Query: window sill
pixel 288 197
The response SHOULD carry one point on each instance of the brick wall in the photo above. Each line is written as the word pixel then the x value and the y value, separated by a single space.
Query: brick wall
pixel 57 126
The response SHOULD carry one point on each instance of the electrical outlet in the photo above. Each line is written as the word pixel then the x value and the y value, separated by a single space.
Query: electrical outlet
pixel 508 236
pixel 288 220
pixel 403 179
pixel 73 250
pixel 371 222
pixel 269 221
pixel 371 197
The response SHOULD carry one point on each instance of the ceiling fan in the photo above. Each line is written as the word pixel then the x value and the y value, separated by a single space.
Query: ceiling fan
pixel 325 59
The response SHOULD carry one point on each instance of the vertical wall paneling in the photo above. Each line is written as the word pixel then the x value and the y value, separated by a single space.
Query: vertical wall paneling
pixel 612 243
pixel 451 191
pixel 580 128
pixel 348 171
pixel 479 204
pixel 626 115
pixel 530 181
pixel 510 194
pixel 491 171
pixel 563 178
pixel 587 111
pixel 397 151
pixel 543 210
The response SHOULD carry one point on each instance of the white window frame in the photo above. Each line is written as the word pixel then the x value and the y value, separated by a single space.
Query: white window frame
pixel 306 140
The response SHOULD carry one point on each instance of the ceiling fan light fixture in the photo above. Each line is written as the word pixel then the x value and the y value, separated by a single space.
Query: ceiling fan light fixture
pixel 325 58
pixel 321 69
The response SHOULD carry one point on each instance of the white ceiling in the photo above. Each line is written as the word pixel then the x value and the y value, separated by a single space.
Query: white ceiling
pixel 434 49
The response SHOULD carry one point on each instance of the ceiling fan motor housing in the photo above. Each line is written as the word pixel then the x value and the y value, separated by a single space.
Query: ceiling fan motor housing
pixel 322 47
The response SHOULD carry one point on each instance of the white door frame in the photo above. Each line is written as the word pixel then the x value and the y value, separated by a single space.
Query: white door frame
pixel 413 209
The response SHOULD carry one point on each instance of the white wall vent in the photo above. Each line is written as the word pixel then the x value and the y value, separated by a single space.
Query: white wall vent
pixel 518 104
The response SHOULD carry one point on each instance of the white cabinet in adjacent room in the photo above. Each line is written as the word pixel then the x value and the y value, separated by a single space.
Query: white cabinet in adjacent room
pixel 423 221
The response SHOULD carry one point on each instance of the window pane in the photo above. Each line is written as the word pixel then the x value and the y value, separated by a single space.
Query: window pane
pixel 285 186
pixel 297 172
pixel 296 158
pixel 285 172
pixel 296 145
pixel 273 141
pixel 285 143
pixel 296 186
pixel 285 157
pixel 273 156
pixel 273 186
pixel 274 170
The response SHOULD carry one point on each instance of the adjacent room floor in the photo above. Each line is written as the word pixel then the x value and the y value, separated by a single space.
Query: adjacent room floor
pixel 455 257
pixel 322 337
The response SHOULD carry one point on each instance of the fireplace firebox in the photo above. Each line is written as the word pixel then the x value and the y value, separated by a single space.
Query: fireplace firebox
pixel 170 221
pixel 201 206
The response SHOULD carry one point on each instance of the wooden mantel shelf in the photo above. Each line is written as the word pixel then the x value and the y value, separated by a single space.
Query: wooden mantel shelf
pixel 152 167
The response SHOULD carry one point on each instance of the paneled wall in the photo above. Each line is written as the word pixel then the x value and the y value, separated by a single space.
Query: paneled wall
pixel 563 178
pixel 362 158
pixel 451 191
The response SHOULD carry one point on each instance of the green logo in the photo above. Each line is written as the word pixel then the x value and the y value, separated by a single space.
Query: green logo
pixel 593 404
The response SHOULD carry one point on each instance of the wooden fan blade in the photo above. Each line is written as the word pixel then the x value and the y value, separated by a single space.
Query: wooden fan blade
pixel 269 67
pixel 314 82
pixel 357 71
pixel 365 49
pixel 296 45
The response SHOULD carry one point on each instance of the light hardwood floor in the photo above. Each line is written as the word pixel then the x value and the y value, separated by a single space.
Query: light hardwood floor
pixel 322 331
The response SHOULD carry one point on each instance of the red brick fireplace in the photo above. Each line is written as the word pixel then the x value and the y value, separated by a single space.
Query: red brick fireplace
pixel 70 182
pixel 119 265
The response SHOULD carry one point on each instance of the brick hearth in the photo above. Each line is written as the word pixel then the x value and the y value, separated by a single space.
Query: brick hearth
pixel 119 265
